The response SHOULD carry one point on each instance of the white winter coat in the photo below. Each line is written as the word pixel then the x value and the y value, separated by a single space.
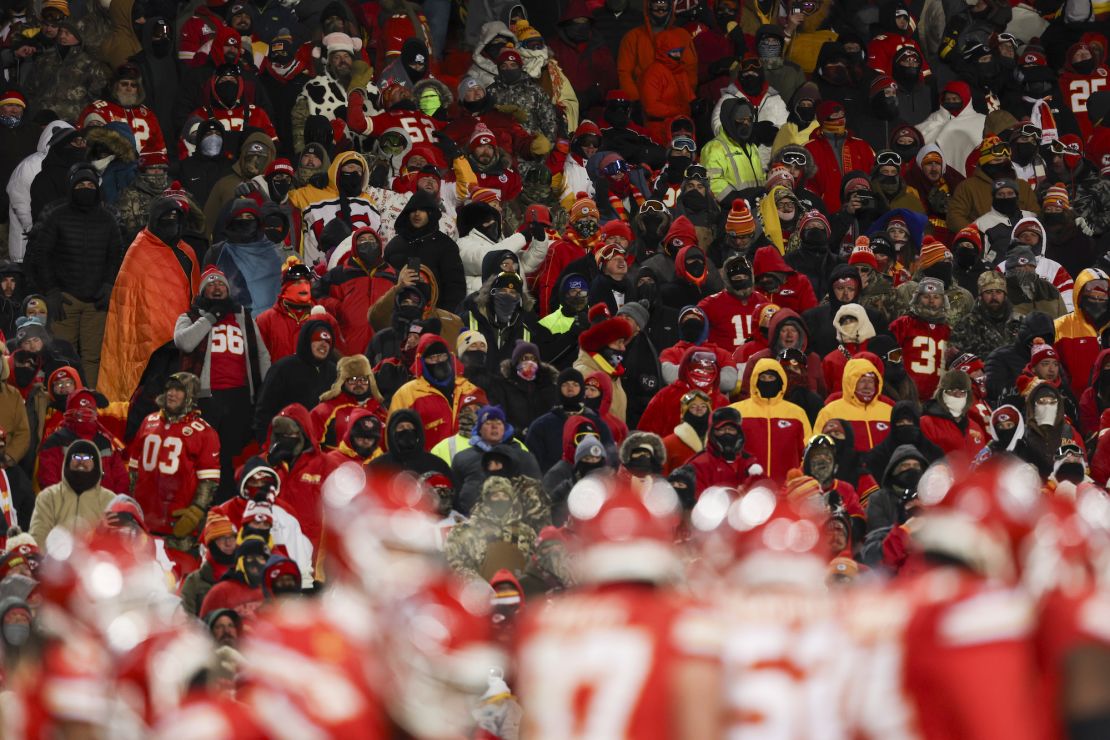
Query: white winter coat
pixel 475 246
pixel 19 192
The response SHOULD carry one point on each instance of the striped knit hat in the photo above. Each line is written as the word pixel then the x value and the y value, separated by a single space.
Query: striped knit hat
pixel 862 254
pixel 1057 195
pixel 780 175
pixel 583 207
pixel 739 219
pixel 11 96
pixel 483 195
pixel 932 252
pixel 800 487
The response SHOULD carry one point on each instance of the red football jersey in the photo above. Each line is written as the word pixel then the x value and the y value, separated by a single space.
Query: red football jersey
pixel 228 352
pixel 730 318
pixel 419 128
pixel 144 124
pixel 923 346
pixel 170 458
pixel 1077 88
pixel 596 663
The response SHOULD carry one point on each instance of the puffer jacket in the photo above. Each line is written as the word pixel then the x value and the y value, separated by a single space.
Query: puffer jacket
pixel 19 190
pixel 1077 338
pixel 973 197
pixel 435 250
pixel 75 249
pixel 524 400
pixel 474 245
pixel 150 292
pixel 664 90
pixel 637 52
pixel 439 415
pixel 478 314
pixel 775 430
pixel 51 183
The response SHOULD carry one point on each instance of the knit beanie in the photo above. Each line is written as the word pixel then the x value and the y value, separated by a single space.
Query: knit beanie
pixel 1057 195
pixel 739 220
pixel 932 252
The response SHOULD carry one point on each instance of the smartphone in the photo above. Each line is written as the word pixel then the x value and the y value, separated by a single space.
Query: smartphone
pixel 414 264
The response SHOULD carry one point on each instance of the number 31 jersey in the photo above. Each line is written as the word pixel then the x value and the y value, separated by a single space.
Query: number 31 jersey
pixel 171 457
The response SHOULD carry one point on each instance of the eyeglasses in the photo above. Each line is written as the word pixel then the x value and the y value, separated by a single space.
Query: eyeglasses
pixel 359 380
pixel 889 157
pixel 615 168
pixel 796 159
pixel 653 206
pixel 696 171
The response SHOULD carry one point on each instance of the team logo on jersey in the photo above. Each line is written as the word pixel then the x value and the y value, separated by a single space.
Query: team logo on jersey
pixel 187 431
pixel 1101 71
pixel 882 426
pixel 503 177
pixel 784 423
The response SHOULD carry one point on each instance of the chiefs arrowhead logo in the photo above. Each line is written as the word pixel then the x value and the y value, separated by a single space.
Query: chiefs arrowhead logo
pixel 784 423
pixel 882 426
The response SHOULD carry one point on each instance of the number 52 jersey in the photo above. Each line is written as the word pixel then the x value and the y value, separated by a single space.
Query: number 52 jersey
pixel 171 457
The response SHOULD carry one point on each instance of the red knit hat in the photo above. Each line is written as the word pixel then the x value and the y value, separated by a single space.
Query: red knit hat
pixel 483 195
pixel 969 233
pixel 862 254
pixel 617 228
pixel 932 252
pixel 282 165
pixel 482 136
pixel 828 109
pixel 11 96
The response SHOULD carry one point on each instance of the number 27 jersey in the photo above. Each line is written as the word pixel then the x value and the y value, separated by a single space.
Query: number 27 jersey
pixel 170 457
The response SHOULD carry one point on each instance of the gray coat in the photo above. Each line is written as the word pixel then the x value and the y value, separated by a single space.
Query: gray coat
pixel 189 333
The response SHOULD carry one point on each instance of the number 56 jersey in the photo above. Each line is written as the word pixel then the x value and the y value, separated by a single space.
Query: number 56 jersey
pixel 599 664
pixel 171 457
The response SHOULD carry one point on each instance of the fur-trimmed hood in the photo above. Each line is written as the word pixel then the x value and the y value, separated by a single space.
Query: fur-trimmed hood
pixel 596 337
pixel 445 93
pixel 113 141
pixel 636 439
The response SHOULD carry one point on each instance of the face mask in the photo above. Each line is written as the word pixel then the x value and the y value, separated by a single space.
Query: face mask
pixel 511 76
pixel 577 32
pixel 612 356
pixel 1084 67
pixel 751 84
pixel 1023 153
pixel 583 468
pixel 1045 413
pixel 587 227
pixel 908 479
pixel 527 369
pixel 695 267
pixel 475 106
pixel 690 331
pixel 676 167
pixel 769 388
pixel 617 116
pixel 407 440
pixel 906 75
pixel 593 403
pixel 349 183
pixel 1053 219
pixel 694 201
pixel 904 434
pixel 700 424
pixel 1005 206
pixel 9 121
pixel 227 91
pixel 1038 89
pixel 954 405
pixel 279 189
pixel 505 306
pixel 995 170
pixel 211 145
pixel 1095 309
pixel 1069 471
pixel 242 231
pixel 805 114
pixel 885 107
pixel 441 371
pixel 728 443
pixel 953 107
pixel 815 239
pixel 889 184
pixel 86 197
pixel 17 633
pixel 823 468
pixel 740 283
pixel 967 257
pixel 83 480
pixel 648 291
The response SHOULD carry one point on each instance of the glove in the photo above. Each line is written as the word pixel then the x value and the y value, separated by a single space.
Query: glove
pixel 720 67
pixel 541 145
pixel 278 454
pixel 763 133
pixel 103 297
pixel 319 180
pixel 515 111
pixel 536 231
pixel 55 305
pixel 938 201
pixel 448 146
pixel 246 188
pixel 187 520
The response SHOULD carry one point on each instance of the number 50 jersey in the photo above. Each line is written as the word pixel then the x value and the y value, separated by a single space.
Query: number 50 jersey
pixel 170 457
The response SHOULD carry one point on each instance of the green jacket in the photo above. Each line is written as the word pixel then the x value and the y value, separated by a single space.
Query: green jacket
pixel 731 166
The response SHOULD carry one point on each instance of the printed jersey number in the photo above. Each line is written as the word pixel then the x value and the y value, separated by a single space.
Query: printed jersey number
pixel 743 325
pixel 418 133
pixel 141 129
pixel 1080 90
pixel 227 338
pixel 590 685
pixel 163 454
pixel 929 351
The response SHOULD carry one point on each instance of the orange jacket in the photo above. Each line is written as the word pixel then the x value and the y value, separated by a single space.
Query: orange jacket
pixel 664 90
pixel 151 291
pixel 637 52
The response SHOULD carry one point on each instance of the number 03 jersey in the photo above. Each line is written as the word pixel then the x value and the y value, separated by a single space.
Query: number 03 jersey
pixel 170 457
pixel 598 663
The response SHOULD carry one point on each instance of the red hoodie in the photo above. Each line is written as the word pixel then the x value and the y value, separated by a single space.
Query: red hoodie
pixel 664 412
pixel 301 484
pixel 352 290
pixel 605 385
pixel 796 293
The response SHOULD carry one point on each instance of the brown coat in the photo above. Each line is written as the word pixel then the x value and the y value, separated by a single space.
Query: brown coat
pixel 973 198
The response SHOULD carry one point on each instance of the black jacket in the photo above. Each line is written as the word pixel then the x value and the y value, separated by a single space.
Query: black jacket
pixel 418 461
pixel 877 458
pixel 523 400
pixel 819 319
pixel 1004 364
pixel 52 181
pixel 545 434
pixel 435 250
pixel 298 378
pixel 74 249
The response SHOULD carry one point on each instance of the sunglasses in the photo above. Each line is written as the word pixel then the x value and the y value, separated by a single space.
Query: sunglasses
pixel 889 157
pixel 615 168
pixel 797 159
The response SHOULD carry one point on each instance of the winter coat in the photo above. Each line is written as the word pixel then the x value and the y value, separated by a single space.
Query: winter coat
pixel 979 333
pixel 298 378
pixel 885 508
pixel 151 291
pixel 637 52
pixel 434 249
pixel 973 198
pixel 84 76
pixel 439 414
pixel 466 467
pixel 475 245
pixel 870 422
pixel 417 462
pixel 19 189
pixel 710 469
pixel 816 380
pixel 60 506
pixel 524 400
pixel 731 166
pixel 75 249
pixel 546 439
pixel 469 542
pixel 664 411
pixel 796 293
pixel 13 416
pixel 348 291
pixel 301 481
pixel 589 66
pixel 775 430
pixel 856 154
pixel 1005 363
pixel 957 136
pixel 1077 339
pixel 223 192
pixel 588 363
pixel 876 459
pixel 952 434
pixel 664 90
pixel 477 313
pixel 681 445
pixel 197 585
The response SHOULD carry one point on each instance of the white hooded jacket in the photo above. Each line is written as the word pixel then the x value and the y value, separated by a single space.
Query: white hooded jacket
pixel 19 191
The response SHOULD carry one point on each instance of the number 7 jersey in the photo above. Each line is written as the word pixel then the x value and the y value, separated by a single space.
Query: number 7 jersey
pixel 170 458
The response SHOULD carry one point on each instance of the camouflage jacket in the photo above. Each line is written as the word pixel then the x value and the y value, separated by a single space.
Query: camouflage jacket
pixel 84 79
pixel 880 297
pixel 535 504
pixel 133 206
pixel 1091 204
pixel 980 335
pixel 543 117
pixel 468 542
pixel 960 301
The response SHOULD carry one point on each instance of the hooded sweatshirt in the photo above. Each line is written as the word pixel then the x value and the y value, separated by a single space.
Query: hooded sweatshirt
pixel 870 421
pixel 775 430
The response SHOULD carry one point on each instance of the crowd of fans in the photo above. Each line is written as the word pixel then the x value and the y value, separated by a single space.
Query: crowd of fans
pixel 734 367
